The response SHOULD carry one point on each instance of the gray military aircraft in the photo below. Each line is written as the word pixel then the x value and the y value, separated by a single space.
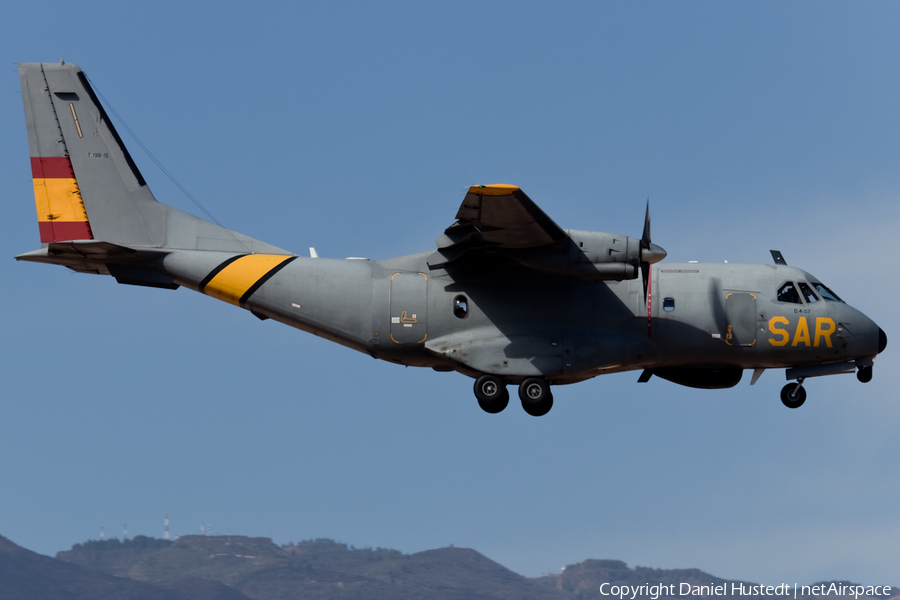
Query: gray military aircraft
pixel 508 297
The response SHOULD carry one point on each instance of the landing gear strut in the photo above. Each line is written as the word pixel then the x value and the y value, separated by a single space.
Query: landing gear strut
pixel 535 395
pixel 491 393
pixel 793 395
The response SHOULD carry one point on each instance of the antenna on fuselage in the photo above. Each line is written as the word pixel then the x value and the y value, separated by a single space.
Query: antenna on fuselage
pixel 779 259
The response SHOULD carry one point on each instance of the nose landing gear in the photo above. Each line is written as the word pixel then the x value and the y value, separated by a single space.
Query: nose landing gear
pixel 793 395
pixel 864 374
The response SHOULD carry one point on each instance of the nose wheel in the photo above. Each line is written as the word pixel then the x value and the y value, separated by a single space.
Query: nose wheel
pixel 864 374
pixel 793 395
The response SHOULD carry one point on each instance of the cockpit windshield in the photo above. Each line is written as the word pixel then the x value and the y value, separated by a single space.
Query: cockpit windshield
pixel 808 293
pixel 825 292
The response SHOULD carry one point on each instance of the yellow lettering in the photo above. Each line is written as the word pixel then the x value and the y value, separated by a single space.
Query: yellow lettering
pixel 777 331
pixel 823 332
pixel 802 333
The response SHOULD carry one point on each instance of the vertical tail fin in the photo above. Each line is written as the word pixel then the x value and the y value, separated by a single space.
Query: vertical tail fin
pixel 87 186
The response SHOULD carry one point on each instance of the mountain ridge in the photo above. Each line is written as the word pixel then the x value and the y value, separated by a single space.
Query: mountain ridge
pixel 254 568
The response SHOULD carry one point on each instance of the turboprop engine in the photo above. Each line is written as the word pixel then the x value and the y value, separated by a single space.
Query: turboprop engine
pixel 593 255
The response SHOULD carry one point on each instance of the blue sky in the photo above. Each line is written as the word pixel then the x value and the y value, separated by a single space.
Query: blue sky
pixel 355 129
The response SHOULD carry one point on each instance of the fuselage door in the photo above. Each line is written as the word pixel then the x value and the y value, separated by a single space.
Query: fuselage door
pixel 740 312
pixel 409 299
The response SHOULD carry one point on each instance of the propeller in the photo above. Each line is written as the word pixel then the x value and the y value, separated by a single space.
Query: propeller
pixel 650 252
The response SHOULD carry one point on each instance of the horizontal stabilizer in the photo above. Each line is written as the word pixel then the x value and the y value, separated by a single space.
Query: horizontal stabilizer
pixel 88 249
pixel 91 256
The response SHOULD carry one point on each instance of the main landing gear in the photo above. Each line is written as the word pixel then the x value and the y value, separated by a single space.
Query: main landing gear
pixel 491 393
pixel 534 393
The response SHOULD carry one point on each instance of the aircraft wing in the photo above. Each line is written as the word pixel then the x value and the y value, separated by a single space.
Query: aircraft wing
pixel 494 217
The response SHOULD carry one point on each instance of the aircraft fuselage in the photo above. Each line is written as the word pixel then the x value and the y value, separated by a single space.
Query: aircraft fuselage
pixel 705 314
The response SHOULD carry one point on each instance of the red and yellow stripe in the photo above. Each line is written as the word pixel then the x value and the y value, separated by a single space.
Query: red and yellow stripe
pixel 235 280
pixel 60 208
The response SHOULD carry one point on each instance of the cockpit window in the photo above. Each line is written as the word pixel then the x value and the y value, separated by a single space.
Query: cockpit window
pixel 788 293
pixel 825 292
pixel 808 293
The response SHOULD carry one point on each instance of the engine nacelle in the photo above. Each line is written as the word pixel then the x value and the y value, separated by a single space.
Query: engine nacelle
pixel 587 254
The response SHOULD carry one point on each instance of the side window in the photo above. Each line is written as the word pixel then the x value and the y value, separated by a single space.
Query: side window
pixel 808 293
pixel 668 304
pixel 788 293
pixel 461 307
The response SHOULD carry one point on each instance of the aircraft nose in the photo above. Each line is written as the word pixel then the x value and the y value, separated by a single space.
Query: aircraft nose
pixel 882 340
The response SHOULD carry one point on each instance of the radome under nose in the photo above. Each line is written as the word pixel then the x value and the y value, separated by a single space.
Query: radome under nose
pixel 882 340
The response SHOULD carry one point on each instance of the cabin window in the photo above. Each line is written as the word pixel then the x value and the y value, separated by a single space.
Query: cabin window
pixel 788 293
pixel 461 307
pixel 826 293
pixel 668 304
pixel 808 293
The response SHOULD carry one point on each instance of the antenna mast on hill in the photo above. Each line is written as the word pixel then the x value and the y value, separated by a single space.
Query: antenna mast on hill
pixel 166 532
pixel 125 532
pixel 102 533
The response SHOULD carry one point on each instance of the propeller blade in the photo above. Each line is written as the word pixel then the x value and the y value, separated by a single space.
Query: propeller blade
pixel 645 276
pixel 650 252
pixel 645 239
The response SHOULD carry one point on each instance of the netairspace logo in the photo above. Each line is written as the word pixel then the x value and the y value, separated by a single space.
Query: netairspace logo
pixel 784 590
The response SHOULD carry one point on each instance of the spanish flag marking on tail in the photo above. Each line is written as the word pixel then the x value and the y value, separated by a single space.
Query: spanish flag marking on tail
pixel 60 209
